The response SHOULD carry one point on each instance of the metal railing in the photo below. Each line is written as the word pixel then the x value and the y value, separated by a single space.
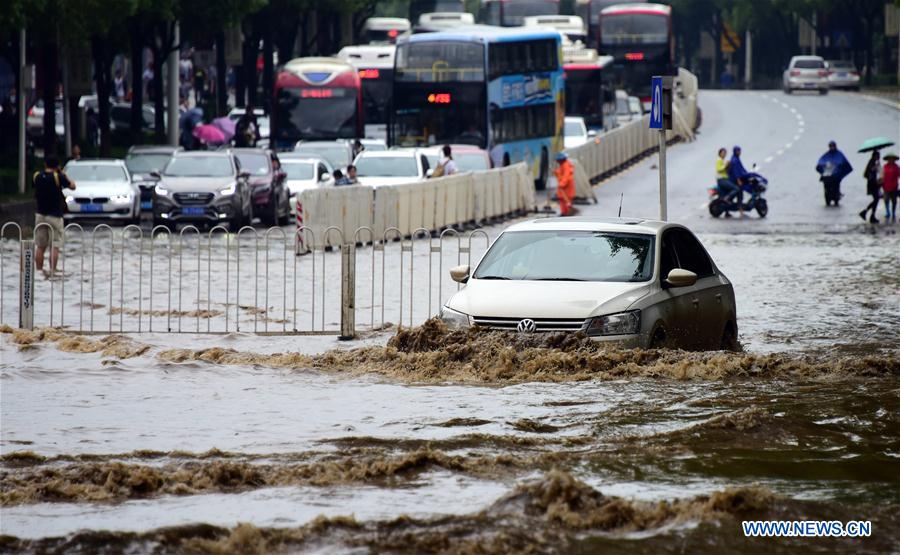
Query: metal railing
pixel 130 281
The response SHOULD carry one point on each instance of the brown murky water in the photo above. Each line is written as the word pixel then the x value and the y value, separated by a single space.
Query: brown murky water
pixel 464 442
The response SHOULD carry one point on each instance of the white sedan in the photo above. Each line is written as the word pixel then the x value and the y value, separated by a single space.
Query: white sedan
pixel 575 132
pixel 636 283
pixel 103 190
pixel 306 173
pixel 390 167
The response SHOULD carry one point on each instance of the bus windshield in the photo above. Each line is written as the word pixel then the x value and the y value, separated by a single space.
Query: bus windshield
pixel 633 28
pixel 425 115
pixel 312 114
pixel 377 94
pixel 584 95
pixel 440 62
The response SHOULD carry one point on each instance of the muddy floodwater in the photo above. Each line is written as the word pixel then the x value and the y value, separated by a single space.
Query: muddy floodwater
pixel 430 440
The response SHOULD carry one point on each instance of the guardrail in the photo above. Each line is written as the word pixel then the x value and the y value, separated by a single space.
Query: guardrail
pixel 129 281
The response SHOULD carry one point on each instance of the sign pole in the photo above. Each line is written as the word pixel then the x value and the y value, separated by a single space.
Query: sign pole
pixel 663 195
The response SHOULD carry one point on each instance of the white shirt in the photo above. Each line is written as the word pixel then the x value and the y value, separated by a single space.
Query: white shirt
pixel 449 166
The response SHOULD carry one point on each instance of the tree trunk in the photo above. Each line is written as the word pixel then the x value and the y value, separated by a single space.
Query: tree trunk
pixel 249 70
pixel 50 85
pixel 221 70
pixel 159 122
pixel 102 78
pixel 268 68
pixel 137 85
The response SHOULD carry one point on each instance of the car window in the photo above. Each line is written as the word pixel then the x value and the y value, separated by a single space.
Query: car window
pixel 298 170
pixel 146 162
pixel 199 166
pixel 691 254
pixel 809 64
pixel 387 166
pixel 668 259
pixel 91 172
pixel 254 164
pixel 475 161
pixel 337 155
pixel 573 129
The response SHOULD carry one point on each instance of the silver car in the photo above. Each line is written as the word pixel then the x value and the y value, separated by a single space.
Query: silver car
pixel 842 74
pixel 202 188
pixel 806 73
pixel 634 283
pixel 104 190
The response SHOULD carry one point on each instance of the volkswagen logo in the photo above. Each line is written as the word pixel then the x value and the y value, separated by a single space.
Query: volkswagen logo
pixel 526 326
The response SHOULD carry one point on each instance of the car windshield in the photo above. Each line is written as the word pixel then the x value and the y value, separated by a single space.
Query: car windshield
pixel 809 64
pixel 573 129
pixel 146 163
pixel 337 155
pixel 91 172
pixel 471 162
pixel 387 166
pixel 298 170
pixel 199 166
pixel 569 256
pixel 254 164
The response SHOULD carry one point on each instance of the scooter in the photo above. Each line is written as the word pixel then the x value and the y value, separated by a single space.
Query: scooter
pixel 832 190
pixel 753 189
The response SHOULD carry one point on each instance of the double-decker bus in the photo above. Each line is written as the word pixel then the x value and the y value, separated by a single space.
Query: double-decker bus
pixel 419 7
pixel 498 89
pixel 589 11
pixel 316 99
pixel 375 66
pixel 639 38
pixel 589 91
pixel 512 13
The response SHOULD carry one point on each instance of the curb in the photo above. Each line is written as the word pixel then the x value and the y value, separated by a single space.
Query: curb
pixel 871 98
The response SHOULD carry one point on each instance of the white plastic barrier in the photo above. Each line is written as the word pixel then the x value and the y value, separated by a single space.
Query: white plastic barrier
pixel 347 208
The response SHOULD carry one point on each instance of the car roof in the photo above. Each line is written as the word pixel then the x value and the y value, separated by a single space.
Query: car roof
pixel 250 150
pixel 155 149
pixel 203 154
pixel 621 225
pixel 389 153
pixel 97 162
pixel 341 143
pixel 301 160
pixel 816 58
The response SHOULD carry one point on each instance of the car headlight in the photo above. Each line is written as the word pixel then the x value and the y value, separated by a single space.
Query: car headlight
pixel 621 323
pixel 161 191
pixel 453 319
pixel 228 191
pixel 70 198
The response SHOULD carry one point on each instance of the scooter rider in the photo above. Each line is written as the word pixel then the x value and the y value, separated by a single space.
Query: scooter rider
pixel 727 189
pixel 833 167
pixel 738 175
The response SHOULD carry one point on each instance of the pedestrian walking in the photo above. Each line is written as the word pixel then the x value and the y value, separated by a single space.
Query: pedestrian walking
pixel 565 179
pixel 890 186
pixel 446 165
pixel 93 127
pixel 119 86
pixel 833 166
pixel 50 206
pixel 147 80
pixel 872 174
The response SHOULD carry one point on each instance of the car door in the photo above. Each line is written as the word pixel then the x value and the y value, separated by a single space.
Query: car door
pixel 675 306
pixel 706 296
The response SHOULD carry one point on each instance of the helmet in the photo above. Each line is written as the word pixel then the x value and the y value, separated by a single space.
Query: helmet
pixel 560 156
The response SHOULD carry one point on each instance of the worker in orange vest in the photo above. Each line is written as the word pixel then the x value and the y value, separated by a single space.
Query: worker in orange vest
pixel 565 179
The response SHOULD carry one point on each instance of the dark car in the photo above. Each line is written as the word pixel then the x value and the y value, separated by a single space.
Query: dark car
pixel 271 198
pixel 145 160
pixel 206 187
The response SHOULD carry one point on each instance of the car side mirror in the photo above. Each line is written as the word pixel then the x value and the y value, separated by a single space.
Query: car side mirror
pixel 155 175
pixel 460 274
pixel 323 177
pixel 244 175
pixel 429 173
pixel 679 277
pixel 592 133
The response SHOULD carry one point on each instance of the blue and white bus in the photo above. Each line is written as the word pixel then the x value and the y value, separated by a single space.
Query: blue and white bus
pixel 500 89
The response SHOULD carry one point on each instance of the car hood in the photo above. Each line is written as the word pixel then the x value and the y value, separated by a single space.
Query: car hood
pixel 382 181
pixel 545 299
pixel 100 188
pixel 140 177
pixel 196 183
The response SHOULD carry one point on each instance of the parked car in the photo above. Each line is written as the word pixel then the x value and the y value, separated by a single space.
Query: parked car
pixel 103 190
pixel 142 162
pixel 468 158
pixel 391 167
pixel 806 73
pixel 373 145
pixel 34 119
pixel 202 187
pixel 271 199
pixel 575 132
pixel 306 173
pixel 338 153
pixel 842 74
pixel 262 120
pixel 636 283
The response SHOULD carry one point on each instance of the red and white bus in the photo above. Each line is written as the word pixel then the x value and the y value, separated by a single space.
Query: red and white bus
pixel 512 13
pixel 589 11
pixel 375 64
pixel 589 93
pixel 316 99
pixel 640 40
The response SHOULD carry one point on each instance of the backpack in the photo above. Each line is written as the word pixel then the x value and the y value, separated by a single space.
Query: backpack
pixel 438 171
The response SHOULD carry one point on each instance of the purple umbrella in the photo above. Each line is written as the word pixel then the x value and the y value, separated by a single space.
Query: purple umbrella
pixel 209 134
pixel 226 126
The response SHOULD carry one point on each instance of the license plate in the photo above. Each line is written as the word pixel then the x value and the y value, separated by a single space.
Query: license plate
pixel 146 204
pixel 809 85
pixel 842 75
pixel 193 211
pixel 92 208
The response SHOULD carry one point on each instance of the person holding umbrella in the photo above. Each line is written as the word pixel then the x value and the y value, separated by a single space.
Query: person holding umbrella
pixel 872 174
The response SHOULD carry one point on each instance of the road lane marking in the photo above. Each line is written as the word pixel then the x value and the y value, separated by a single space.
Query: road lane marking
pixel 780 152
pixel 789 145
pixel 769 159
pixel 796 138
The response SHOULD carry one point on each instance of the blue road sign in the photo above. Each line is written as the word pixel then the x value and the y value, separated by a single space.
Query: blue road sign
pixel 656 107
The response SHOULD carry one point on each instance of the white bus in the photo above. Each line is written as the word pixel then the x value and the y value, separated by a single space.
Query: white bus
pixel 375 66
pixel 381 30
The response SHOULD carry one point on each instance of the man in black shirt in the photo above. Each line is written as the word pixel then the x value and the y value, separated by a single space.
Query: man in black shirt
pixel 51 205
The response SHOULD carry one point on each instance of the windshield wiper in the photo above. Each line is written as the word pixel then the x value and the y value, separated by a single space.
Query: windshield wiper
pixel 491 277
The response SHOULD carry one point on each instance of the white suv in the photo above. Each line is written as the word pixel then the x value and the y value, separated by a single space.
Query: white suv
pixel 806 73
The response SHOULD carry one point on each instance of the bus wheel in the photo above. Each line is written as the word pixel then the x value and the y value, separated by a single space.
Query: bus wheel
pixel 541 183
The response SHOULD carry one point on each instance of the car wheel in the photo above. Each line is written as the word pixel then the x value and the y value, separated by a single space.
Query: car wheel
pixel 762 207
pixel 658 341
pixel 729 339
pixel 716 207
pixel 270 217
